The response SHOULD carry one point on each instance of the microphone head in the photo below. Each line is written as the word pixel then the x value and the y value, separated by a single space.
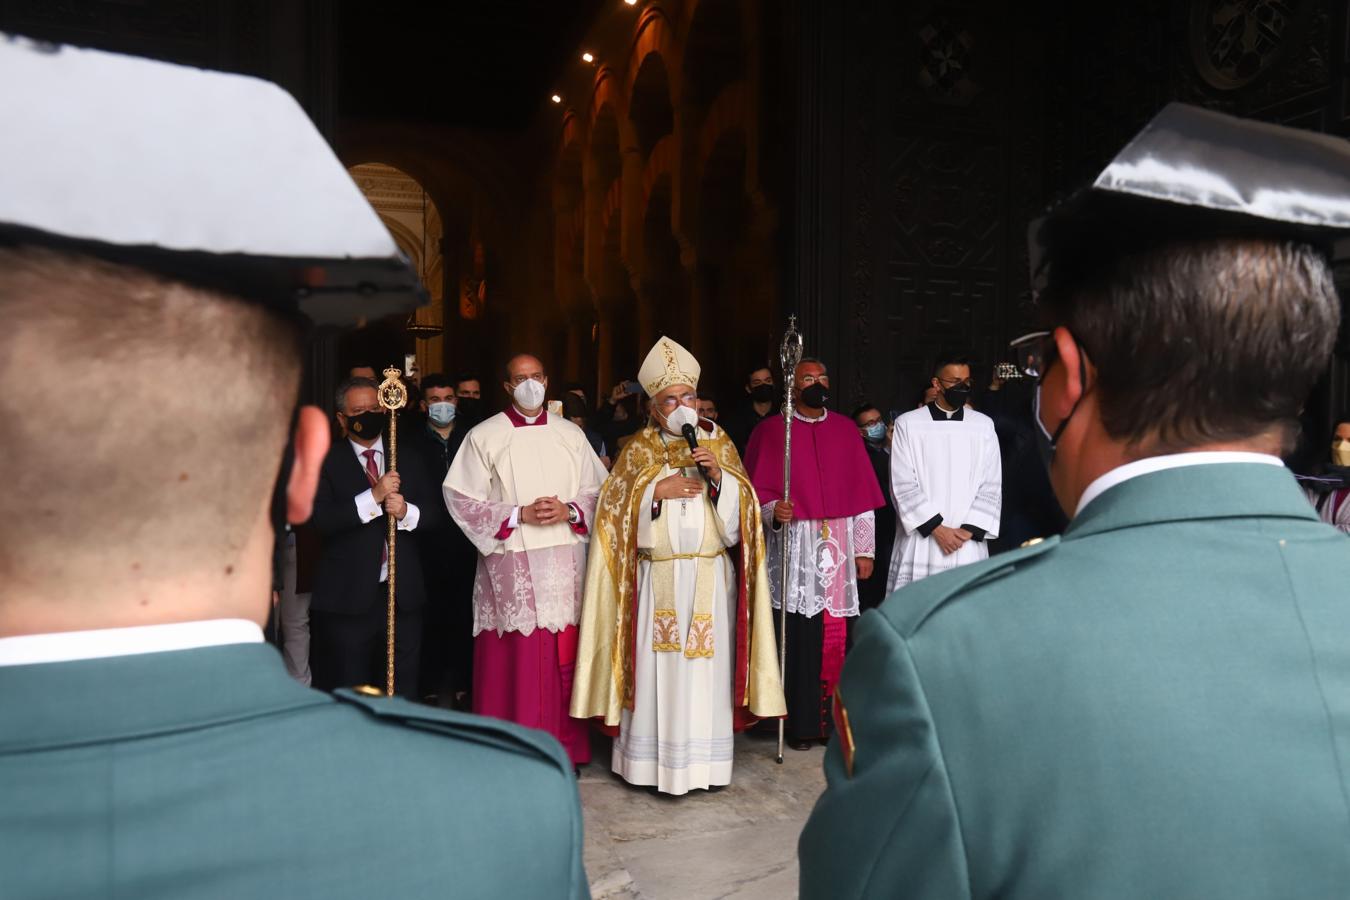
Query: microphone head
pixel 690 435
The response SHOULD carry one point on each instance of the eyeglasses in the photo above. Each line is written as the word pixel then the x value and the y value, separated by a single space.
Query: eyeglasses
pixel 953 382
pixel 669 404
pixel 1035 352
pixel 521 379
pixel 808 380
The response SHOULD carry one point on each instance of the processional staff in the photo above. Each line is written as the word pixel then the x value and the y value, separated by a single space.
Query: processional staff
pixel 789 355
pixel 393 397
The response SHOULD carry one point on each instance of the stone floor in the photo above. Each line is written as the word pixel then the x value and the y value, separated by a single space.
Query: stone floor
pixel 740 842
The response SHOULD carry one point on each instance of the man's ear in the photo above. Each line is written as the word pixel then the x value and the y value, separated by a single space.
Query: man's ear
pixel 311 446
pixel 1063 384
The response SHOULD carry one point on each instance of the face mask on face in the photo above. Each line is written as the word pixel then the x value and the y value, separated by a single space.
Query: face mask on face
pixel 529 394
pixel 441 413
pixel 762 393
pixel 467 408
pixel 681 417
pixel 1340 452
pixel 367 425
pixel 956 395
pixel 815 396
pixel 876 431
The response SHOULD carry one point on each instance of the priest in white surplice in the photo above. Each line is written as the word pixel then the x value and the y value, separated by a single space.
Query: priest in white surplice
pixel 947 481
pixel 676 647
pixel 523 490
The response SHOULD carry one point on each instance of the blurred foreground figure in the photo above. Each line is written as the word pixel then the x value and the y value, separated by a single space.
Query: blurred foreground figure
pixel 164 232
pixel 1156 704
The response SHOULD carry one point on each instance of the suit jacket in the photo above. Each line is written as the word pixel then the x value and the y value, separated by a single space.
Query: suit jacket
pixel 349 564
pixel 210 773
pixel 448 557
pixel 1155 705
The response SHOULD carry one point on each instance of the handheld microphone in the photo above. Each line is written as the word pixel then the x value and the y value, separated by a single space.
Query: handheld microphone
pixel 691 437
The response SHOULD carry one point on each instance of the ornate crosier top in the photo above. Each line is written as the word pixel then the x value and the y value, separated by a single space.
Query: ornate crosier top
pixel 393 393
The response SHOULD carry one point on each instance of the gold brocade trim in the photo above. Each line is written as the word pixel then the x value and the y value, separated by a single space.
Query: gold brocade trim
pixel 647 555
pixel 604 679
pixel 700 642
pixel 665 631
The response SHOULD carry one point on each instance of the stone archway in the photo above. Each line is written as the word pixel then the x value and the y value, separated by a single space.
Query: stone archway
pixel 414 220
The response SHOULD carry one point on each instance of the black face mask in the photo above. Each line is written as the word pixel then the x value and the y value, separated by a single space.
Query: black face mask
pixel 467 409
pixel 762 393
pixel 367 426
pixel 815 396
pixel 956 395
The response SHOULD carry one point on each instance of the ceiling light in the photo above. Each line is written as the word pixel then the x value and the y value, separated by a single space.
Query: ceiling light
pixel 587 57
pixel 555 98
pixel 631 2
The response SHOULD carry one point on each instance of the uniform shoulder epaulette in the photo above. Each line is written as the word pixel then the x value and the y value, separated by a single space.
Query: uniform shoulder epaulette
pixel 505 736
pixel 911 606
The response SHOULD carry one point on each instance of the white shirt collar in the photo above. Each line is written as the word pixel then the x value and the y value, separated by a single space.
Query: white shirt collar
pixel 796 414
pixel 1147 466
pixel 378 447
pixel 101 643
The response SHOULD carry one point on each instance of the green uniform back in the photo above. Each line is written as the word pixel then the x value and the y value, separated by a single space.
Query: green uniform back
pixel 209 773
pixel 1157 705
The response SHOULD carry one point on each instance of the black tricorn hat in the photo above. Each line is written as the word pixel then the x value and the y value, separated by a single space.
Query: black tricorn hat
pixel 1193 172
pixel 211 178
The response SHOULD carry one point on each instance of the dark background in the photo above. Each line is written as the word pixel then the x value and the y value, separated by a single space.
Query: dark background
pixel 870 165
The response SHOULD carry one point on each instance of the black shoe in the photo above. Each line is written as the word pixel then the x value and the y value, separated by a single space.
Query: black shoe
pixel 803 745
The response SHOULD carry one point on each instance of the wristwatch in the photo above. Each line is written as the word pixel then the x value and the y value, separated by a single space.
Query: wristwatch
pixel 572 515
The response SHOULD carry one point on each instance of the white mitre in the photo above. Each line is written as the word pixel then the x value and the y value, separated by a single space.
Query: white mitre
pixel 668 363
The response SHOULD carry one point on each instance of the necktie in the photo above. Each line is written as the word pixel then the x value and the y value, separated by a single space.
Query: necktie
pixel 373 475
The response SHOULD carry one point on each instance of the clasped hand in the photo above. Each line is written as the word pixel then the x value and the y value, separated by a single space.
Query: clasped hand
pixel 949 540
pixel 544 511
pixel 386 493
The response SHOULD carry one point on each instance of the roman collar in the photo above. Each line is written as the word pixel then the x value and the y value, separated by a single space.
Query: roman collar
pixel 940 415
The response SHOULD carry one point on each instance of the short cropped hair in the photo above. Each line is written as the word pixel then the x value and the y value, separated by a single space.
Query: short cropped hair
pixel 466 376
pixel 436 380
pixel 506 366
pixel 864 407
pixel 824 370
pixel 1201 340
pixel 195 391
pixel 950 357
pixel 347 386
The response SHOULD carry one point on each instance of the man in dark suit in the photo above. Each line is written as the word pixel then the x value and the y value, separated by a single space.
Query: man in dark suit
pixel 872 426
pixel 348 612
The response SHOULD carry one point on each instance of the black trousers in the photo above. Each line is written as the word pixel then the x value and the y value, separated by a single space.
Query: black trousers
pixel 810 706
pixel 349 649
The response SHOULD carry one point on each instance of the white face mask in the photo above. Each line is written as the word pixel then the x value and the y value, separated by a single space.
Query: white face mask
pixel 529 394
pixel 681 417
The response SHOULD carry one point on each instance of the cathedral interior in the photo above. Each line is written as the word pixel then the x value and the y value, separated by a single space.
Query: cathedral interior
pixel 574 179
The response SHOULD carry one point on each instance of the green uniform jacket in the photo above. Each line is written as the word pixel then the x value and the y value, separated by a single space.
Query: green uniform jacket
pixel 1155 706
pixel 210 773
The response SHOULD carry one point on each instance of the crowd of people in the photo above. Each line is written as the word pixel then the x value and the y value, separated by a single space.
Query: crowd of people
pixel 1154 703
pixel 495 513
